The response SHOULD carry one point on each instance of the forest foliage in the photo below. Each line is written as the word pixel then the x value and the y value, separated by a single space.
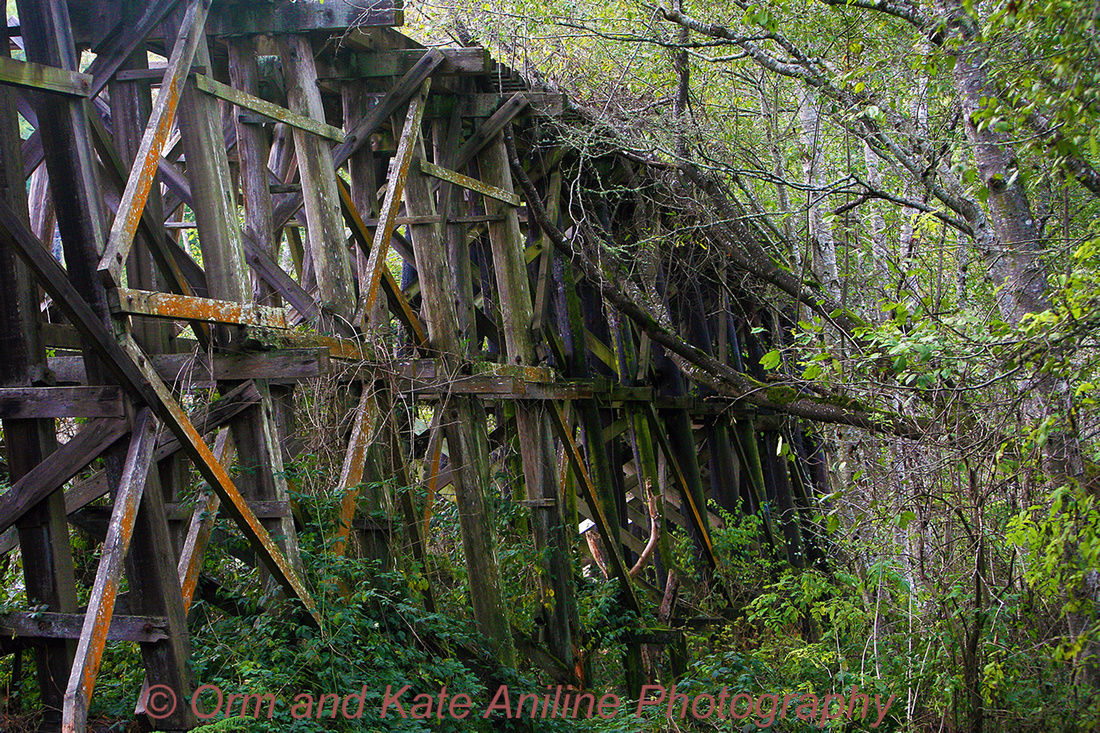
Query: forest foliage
pixel 912 188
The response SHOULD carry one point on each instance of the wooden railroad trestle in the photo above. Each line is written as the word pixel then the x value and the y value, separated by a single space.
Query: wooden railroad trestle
pixel 362 134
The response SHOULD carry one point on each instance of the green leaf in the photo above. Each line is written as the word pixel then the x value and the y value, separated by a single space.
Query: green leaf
pixel 770 360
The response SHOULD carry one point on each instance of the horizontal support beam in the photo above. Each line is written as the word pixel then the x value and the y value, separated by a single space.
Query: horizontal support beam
pixel 44 78
pixel 267 109
pixel 262 510
pixel 48 625
pixel 398 62
pixel 21 403
pixel 200 370
pixel 187 308
pixel 247 19
pixel 458 179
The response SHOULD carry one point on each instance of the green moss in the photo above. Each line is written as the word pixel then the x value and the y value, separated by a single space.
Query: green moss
pixel 782 394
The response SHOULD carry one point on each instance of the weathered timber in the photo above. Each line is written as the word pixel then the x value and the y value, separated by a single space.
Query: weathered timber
pixel 351 474
pixel 465 433
pixel 532 420
pixel 331 264
pixel 410 133
pixel 131 366
pixel 42 532
pixel 489 129
pixel 267 109
pixel 401 92
pixel 22 403
pixel 44 78
pixel 485 189
pixel 232 19
pixel 59 467
pixel 144 169
pixel 202 370
pixel 126 301
pixel 397 62
pixel 607 531
pixel 48 625
pixel 101 605
pixel 253 152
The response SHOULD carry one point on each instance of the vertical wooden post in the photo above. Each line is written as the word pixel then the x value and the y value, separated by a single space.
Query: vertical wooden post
pixel 253 152
pixel 466 437
pixel 331 263
pixel 43 532
pixel 532 420
pixel 256 433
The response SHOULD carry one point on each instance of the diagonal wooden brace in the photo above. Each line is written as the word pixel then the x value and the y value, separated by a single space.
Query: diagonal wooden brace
pixel 101 605
pixel 136 373
pixel 145 165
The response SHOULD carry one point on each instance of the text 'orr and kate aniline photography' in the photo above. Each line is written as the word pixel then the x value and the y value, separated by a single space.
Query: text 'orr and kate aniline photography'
pixel 210 702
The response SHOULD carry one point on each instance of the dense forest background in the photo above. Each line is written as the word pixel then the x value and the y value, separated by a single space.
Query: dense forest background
pixel 912 188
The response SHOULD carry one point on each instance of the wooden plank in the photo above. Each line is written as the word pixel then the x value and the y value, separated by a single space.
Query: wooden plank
pixel 247 19
pixel 398 303
pixel 398 95
pixel 126 301
pixel 694 512
pixel 317 169
pixel 490 129
pixel 44 540
pixel 391 204
pixel 397 62
pixel 472 184
pixel 180 271
pixel 565 434
pixel 145 166
pixel 20 403
pixel 267 109
pixel 46 625
pixel 59 467
pixel 135 372
pixel 253 151
pixel 351 474
pixel 275 276
pixel 101 604
pixel 201 527
pixel 44 78
pixel 552 540
pixel 262 510
pixel 203 370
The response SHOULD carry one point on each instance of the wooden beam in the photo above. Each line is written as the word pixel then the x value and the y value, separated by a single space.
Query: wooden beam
pixel 398 303
pixel 492 126
pixel 20 403
pixel 248 19
pixel 398 95
pixel 135 372
pixel 44 78
pixel 145 166
pixel 125 301
pixel 391 204
pixel 46 625
pixel 101 605
pixel 203 370
pixel 59 467
pixel 317 169
pixel 267 109
pixel 355 460
pixel 397 62
pixel 472 184
pixel 607 533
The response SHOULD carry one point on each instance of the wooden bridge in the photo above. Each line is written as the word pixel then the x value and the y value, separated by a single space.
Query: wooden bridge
pixel 227 219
